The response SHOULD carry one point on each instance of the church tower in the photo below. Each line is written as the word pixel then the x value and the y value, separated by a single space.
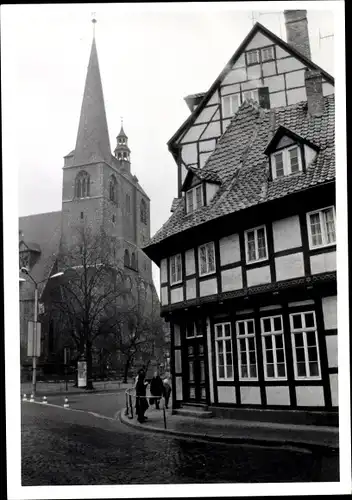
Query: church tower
pixel 99 190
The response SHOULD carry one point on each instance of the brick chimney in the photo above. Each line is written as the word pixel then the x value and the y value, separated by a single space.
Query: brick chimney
pixel 297 30
pixel 314 89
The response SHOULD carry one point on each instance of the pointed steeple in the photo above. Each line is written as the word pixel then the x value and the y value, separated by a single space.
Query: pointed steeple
pixel 93 143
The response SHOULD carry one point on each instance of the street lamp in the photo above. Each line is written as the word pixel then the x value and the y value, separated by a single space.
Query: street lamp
pixel 34 350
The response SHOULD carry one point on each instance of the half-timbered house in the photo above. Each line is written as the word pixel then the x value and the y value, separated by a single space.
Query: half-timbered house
pixel 248 257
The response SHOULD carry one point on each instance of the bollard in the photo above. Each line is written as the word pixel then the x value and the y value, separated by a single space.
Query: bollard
pixel 44 400
pixel 24 397
pixel 164 414
pixel 126 411
pixel 131 406
pixel 32 399
pixel 66 405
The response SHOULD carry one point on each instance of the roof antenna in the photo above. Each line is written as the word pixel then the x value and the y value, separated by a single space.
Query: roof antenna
pixel 322 37
pixel 94 22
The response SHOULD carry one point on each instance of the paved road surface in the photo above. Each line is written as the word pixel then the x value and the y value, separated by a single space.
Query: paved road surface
pixel 66 447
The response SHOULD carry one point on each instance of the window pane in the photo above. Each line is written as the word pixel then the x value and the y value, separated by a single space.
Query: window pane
pixel 227 330
pixel 221 372
pixel 280 355
pixel 234 103
pixel 218 330
pixel 244 371
pixel 279 165
pixel 270 370
pixel 268 342
pixel 329 225
pixel 279 341
pixel 281 370
pixel 251 344
pixel 300 355
pixel 203 260
pixel 190 371
pixel 190 201
pixel 309 319
pixel 312 353
pixel 277 323
pixel 229 358
pixel 226 105
pixel 250 327
pixel 299 339
pixel 294 160
pixel 251 245
pixel 315 229
pixel 202 371
pixel 228 345
pixel 243 358
pixel 267 325
pixel 240 326
pixel 297 321
pixel 178 268
pixel 211 257
pixel 229 371
pixel 269 356
pixel 311 339
pixel 242 345
pixel 253 370
pixel 173 270
pixel 252 357
pixel 314 368
pixel 301 369
pixel 261 243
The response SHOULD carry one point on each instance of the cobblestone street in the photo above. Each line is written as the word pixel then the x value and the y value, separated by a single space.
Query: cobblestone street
pixel 67 447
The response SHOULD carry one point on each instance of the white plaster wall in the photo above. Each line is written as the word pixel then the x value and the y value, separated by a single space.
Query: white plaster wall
pixel 269 68
pixel 331 347
pixel 240 62
pixel 254 83
pixel 322 263
pixel 328 89
pixel 296 95
pixel 210 364
pixel 193 133
pixel 280 53
pixel 177 335
pixel 253 72
pixel 213 129
pixel 189 153
pixel 334 389
pixel 330 311
pixel 190 263
pixel 278 395
pixel 206 114
pixel 289 64
pixel 250 395
pixel 259 40
pixel 214 99
pixel 275 83
pixel 226 395
pixel 231 279
pixel 278 99
pixel 310 154
pixel 295 79
pixel 211 189
pixel 229 249
pixel 163 271
pixel 289 266
pixel 178 366
pixel 310 396
pixel 235 76
pixel 258 276
pixel 191 289
pixel 164 296
pixel 176 294
pixel 230 89
pixel 207 145
pixel 179 391
pixel 208 287
pixel 287 233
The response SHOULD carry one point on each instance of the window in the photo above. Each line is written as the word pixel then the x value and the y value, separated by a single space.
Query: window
pixel 223 349
pixel 125 156
pixel 256 245
pixel 175 269
pixel 321 227
pixel 230 104
pixel 250 95
pixel 273 347
pixel 82 183
pixel 81 215
pixel 113 218
pixel 193 330
pixel 206 259
pixel 133 261
pixel 305 345
pixel 126 259
pixel 128 203
pixel 267 54
pixel 194 198
pixel 286 162
pixel 252 57
pixel 246 348
pixel 113 189
pixel 143 212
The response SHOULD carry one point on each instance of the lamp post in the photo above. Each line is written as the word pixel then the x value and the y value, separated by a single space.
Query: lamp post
pixel 34 346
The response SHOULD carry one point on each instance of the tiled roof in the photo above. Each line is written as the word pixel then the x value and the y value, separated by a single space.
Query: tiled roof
pixel 205 174
pixel 45 231
pixel 240 162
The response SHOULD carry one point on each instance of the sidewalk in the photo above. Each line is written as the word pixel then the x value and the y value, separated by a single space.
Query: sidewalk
pixel 45 388
pixel 315 438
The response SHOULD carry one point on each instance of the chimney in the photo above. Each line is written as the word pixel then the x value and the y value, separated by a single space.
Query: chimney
pixel 314 89
pixel 297 30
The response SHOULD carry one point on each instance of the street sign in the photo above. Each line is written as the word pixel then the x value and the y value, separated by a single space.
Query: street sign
pixel 34 340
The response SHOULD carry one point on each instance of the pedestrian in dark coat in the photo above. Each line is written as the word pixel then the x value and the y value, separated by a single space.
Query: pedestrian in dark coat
pixel 156 389
pixel 167 389
pixel 141 400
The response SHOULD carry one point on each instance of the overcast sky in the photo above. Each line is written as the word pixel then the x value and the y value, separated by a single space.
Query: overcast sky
pixel 151 56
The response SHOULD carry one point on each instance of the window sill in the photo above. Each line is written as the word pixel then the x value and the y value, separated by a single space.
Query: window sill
pixel 175 283
pixel 258 261
pixel 225 379
pixel 286 176
pixel 274 379
pixel 248 379
pixel 206 274
pixel 300 379
pixel 318 247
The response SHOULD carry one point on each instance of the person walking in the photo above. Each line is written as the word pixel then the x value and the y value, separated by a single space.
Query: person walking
pixel 156 389
pixel 141 400
pixel 167 389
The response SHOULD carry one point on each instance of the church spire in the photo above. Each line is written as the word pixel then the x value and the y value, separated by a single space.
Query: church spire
pixel 122 151
pixel 93 143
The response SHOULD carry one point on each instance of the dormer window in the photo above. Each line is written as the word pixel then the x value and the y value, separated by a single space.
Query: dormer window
pixel 194 198
pixel 286 162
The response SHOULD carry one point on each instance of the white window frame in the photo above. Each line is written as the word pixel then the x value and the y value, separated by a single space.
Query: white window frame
pixel 207 246
pixel 195 206
pixel 175 258
pixel 303 330
pixel 231 98
pixel 257 259
pixel 222 340
pixel 273 334
pixel 248 57
pixel 254 94
pixel 286 161
pixel 246 336
pixel 196 331
pixel 322 227
pixel 264 59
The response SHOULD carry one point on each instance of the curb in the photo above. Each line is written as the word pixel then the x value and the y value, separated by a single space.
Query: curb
pixel 73 393
pixel 302 447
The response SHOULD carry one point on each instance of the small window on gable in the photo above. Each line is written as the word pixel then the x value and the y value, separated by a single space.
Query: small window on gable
pixel 252 57
pixel 230 104
pixel 286 162
pixel 267 54
pixel 250 95
pixel 194 198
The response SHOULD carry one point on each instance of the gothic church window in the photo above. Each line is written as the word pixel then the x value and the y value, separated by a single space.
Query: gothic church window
pixel 127 258
pixel 113 189
pixel 82 185
pixel 143 212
